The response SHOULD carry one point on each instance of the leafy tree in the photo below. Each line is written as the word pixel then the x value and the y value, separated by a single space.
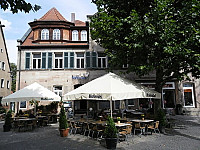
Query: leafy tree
pixel 18 5
pixel 150 35
pixel 13 75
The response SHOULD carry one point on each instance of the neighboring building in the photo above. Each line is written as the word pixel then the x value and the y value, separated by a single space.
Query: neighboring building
pixel 61 56
pixel 5 76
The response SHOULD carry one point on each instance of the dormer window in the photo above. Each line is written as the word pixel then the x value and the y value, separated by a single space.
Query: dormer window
pixel 74 35
pixel 45 34
pixel 84 35
pixel 56 34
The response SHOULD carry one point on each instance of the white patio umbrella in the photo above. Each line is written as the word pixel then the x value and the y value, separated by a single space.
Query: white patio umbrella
pixel 34 92
pixel 111 87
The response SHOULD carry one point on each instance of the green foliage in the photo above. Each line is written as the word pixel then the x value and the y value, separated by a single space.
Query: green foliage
pixel 160 35
pixel 8 118
pixel 2 110
pixel 13 68
pixel 161 117
pixel 18 5
pixel 110 130
pixel 62 120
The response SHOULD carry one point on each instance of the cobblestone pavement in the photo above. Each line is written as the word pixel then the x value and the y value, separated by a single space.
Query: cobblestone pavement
pixel 184 135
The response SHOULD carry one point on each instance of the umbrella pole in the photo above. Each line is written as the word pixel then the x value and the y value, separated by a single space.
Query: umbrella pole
pixel 111 107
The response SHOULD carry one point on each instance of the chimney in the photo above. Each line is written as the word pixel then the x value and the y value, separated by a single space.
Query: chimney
pixel 72 17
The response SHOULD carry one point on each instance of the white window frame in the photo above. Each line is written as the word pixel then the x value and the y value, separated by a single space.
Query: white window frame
pixel 58 58
pixel 2 83
pixel 45 34
pixel 56 34
pixel 101 58
pixel 192 89
pixel 75 35
pixel 80 60
pixel 83 35
pixel 37 61
pixel 56 91
pixel 8 84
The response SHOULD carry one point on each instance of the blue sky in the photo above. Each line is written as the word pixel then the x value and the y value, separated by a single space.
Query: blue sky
pixel 17 24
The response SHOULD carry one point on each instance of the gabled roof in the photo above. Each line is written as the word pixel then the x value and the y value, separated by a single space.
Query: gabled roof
pixel 52 15
pixel 79 23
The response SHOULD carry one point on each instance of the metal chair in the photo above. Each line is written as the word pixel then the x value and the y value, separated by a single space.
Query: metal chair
pixel 138 127
pixel 154 127
pixel 126 132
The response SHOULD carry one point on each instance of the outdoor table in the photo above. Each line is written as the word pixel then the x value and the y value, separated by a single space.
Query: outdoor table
pixel 53 118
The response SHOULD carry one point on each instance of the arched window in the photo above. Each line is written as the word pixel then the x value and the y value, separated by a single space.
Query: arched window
pixel 74 35
pixel 56 34
pixel 84 35
pixel 45 34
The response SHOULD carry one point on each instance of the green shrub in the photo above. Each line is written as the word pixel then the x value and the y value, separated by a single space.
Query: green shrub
pixel 8 118
pixel 62 120
pixel 161 117
pixel 110 130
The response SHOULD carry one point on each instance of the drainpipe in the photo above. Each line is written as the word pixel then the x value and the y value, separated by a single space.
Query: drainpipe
pixel 19 70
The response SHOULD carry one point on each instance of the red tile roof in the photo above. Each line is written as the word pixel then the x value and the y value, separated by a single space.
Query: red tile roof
pixel 79 23
pixel 52 15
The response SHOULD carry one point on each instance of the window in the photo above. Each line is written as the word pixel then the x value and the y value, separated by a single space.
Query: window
pixel 74 35
pixel 102 60
pixel 8 84
pixel 36 60
pixel 3 66
pixel 2 50
pixel 84 35
pixel 0 65
pixel 45 34
pixel 12 106
pixel 80 60
pixel 58 60
pixel 58 90
pixel 104 105
pixel 188 94
pixel 2 83
pixel 22 105
pixel 27 63
pixel 56 34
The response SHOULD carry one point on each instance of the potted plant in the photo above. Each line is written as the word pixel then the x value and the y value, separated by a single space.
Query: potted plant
pixel 161 117
pixel 110 134
pixel 7 126
pixel 63 125
pixel 118 120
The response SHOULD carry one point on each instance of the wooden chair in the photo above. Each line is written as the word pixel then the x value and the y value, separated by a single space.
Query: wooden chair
pixel 126 132
pixel 154 127
pixel 75 127
pixel 140 128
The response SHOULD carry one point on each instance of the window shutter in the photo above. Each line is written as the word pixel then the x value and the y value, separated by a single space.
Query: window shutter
pixel 88 65
pixel 27 64
pixel 44 60
pixel 94 59
pixel 66 60
pixel 71 59
pixel 49 60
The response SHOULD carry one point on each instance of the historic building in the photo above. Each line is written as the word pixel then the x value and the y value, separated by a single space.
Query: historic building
pixel 5 74
pixel 60 55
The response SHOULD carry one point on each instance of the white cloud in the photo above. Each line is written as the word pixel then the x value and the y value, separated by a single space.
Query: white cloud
pixel 12 50
pixel 6 23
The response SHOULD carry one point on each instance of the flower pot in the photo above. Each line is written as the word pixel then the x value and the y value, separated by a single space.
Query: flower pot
pixel 111 143
pixel 64 132
pixel 142 118
pixel 118 122
pixel 6 128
